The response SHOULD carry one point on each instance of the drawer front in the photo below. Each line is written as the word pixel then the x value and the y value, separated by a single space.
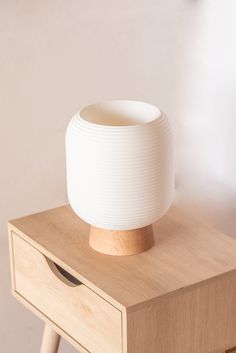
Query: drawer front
pixel 76 309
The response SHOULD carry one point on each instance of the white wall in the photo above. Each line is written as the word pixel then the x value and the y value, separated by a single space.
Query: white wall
pixel 56 56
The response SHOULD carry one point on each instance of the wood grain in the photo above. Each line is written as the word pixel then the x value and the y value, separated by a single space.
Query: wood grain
pixel 177 297
pixel 11 257
pixel 200 320
pixel 76 309
pixel 121 243
pixel 50 341
pixel 44 318
pixel 186 253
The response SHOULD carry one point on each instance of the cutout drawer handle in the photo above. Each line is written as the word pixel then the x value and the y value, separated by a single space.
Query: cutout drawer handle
pixel 62 274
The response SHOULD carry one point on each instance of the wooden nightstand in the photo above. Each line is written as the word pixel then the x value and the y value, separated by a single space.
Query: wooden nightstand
pixel 178 297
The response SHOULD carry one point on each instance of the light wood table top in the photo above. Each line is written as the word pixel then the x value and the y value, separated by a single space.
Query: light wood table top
pixel 185 253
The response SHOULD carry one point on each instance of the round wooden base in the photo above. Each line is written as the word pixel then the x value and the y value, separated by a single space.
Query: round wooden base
pixel 125 242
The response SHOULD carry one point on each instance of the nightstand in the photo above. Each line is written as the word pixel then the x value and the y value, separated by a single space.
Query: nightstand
pixel 177 297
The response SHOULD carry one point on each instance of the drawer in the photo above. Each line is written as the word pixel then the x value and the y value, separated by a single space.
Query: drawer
pixel 76 309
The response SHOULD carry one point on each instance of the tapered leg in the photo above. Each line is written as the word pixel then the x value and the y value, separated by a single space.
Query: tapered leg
pixel 50 341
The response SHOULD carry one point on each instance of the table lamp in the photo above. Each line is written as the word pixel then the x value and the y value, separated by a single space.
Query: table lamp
pixel 120 173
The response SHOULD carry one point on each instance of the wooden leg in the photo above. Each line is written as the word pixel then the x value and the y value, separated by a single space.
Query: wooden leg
pixel 50 341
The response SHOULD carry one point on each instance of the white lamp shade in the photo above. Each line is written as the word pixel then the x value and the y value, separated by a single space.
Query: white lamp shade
pixel 120 168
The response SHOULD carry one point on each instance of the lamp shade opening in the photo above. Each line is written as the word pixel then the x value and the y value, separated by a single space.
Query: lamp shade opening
pixel 120 113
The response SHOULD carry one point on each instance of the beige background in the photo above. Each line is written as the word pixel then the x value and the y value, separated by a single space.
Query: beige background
pixel 56 56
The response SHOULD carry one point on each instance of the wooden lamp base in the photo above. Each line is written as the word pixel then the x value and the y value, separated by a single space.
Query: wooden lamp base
pixel 124 242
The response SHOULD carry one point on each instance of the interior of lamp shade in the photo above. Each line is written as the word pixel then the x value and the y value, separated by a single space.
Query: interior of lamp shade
pixel 120 113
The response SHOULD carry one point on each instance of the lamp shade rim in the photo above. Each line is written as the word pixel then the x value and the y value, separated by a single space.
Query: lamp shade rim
pixel 119 114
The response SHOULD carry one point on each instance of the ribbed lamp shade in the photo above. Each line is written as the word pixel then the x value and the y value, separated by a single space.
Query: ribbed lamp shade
pixel 120 170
